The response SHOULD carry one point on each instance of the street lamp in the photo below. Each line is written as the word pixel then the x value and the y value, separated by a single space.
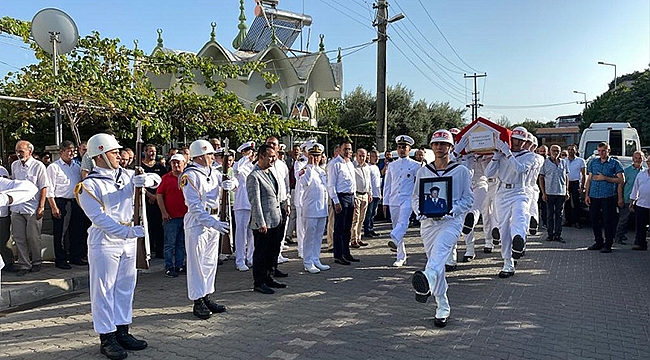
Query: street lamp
pixel 583 94
pixel 614 65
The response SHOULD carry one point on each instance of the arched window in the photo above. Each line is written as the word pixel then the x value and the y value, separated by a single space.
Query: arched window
pixel 270 107
pixel 301 111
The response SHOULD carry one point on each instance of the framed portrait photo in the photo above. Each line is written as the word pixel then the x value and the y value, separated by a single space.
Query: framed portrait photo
pixel 436 196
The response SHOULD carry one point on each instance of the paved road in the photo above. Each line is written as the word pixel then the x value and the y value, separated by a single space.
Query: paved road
pixel 563 303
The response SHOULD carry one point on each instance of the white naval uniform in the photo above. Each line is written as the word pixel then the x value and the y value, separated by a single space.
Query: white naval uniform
pixel 315 203
pixel 440 236
pixel 106 196
pixel 488 211
pixel 399 182
pixel 201 189
pixel 477 164
pixel 510 200
pixel 244 244
pixel 532 190
pixel 297 202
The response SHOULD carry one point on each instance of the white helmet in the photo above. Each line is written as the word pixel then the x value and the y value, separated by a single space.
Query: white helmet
pixel 443 136
pixel 200 147
pixel 101 143
pixel 520 133
pixel 454 131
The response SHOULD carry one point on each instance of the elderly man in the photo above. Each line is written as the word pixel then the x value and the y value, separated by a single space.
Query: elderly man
pixel 63 175
pixel 362 197
pixel 173 209
pixel 398 188
pixel 375 186
pixel 630 174
pixel 27 218
pixel 603 194
pixel 106 196
pixel 577 176
pixel 201 185
pixel 640 203
pixel 553 179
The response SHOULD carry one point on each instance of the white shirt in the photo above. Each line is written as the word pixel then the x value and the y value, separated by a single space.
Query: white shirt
pixel 33 171
pixel 375 181
pixel 4 210
pixel 314 194
pixel 362 177
pixel 575 168
pixel 462 197
pixel 281 173
pixel 512 171
pixel 641 190
pixel 63 178
pixel 399 181
pixel 340 179
pixel 298 166
pixel 242 168
pixel 200 186
pixel 19 190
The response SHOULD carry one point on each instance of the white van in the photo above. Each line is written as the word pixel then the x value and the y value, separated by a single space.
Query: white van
pixel 623 139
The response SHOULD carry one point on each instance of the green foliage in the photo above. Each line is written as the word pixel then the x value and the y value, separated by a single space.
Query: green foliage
pixel 532 125
pixel 624 104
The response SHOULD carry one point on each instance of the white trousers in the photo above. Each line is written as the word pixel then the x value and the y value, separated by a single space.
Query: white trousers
pixel 533 206
pixel 512 218
pixel 480 193
pixel 112 276
pixel 399 216
pixel 489 214
pixel 439 238
pixel 300 230
pixel 202 250
pixel 314 228
pixel 244 244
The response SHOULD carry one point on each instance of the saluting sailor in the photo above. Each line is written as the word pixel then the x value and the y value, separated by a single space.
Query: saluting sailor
pixel 201 185
pixel 398 188
pixel 313 181
pixel 511 167
pixel 244 244
pixel 298 169
pixel 439 235
pixel 106 196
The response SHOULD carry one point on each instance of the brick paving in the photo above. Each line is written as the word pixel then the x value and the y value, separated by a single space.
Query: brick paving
pixel 564 302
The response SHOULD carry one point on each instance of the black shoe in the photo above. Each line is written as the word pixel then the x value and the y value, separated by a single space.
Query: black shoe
pixel 350 258
pixel 496 235
pixel 110 347
pixel 560 239
pixel 549 238
pixel 127 341
pixel 421 286
pixel 533 226
pixel 374 233
pixel 264 289
pixel 201 310
pixel 392 245
pixel 80 262
pixel 468 226
pixel 440 322
pixel 280 274
pixel 181 270
pixel 63 266
pixel 606 250
pixel 496 242
pixel 288 240
pixel 487 250
pixel 595 246
pixel 468 258
pixel 449 268
pixel 213 306
pixel 518 247
pixel 506 274
pixel 35 268
pixel 171 273
pixel 274 284
pixel 341 261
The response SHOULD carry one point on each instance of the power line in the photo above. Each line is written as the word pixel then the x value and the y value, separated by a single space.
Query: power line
pixel 347 15
pixel 11 66
pixel 357 50
pixel 349 9
pixel 497 107
pixel 444 37
pixel 350 47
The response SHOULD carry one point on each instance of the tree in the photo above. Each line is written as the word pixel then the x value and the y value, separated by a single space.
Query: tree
pixel 532 125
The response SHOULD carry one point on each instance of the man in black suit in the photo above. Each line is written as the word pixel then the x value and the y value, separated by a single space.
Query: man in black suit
pixel 434 204
pixel 266 218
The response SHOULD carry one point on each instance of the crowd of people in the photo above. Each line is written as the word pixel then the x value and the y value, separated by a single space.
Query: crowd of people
pixel 269 195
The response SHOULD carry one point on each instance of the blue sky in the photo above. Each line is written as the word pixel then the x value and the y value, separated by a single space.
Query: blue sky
pixel 534 52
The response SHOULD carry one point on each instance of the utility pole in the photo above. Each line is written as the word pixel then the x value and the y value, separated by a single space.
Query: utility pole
pixel 382 122
pixel 475 105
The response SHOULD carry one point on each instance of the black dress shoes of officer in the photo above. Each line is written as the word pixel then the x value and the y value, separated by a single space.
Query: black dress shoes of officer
pixel 278 273
pixel 110 347
pixel 213 306
pixel 341 261
pixel 274 284
pixel 201 310
pixel 264 289
pixel 128 341
pixel 63 266
pixel 350 258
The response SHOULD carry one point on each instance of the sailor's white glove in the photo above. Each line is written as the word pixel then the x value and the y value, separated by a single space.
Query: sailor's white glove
pixel 136 232
pixel 222 227
pixel 421 217
pixel 228 185
pixel 4 199
pixel 504 148
pixel 140 180
pixel 462 144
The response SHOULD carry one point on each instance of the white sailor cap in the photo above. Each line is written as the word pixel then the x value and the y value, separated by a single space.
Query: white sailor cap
pixel 316 148
pixel 249 145
pixel 404 140
pixel 443 136
pixel 307 145
pixel 178 157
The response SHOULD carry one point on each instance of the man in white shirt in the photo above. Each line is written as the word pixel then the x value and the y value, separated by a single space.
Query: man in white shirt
pixel 577 176
pixel 63 176
pixel 362 197
pixel 375 189
pixel 281 173
pixel 27 218
pixel 341 187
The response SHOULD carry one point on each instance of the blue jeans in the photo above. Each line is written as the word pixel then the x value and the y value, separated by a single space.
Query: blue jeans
pixel 174 244
pixel 369 222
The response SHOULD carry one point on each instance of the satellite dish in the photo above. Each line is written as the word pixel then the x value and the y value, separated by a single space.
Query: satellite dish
pixel 50 25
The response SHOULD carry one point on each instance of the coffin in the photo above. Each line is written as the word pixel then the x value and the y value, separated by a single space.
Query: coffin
pixel 482 135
